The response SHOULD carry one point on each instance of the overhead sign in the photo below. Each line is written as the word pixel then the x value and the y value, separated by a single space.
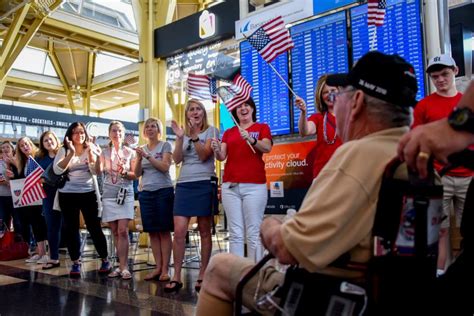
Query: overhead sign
pixel 207 24
pixel 321 6
pixel 290 11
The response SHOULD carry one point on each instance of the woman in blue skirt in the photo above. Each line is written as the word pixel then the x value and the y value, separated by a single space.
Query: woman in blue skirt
pixel 194 190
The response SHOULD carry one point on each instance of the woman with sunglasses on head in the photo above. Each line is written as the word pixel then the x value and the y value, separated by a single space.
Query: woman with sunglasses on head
pixel 48 148
pixel 117 164
pixel 156 196
pixel 79 158
pixel 194 188
pixel 322 124
pixel 244 188
pixel 30 215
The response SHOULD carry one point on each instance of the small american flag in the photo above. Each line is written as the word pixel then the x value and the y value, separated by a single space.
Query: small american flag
pixel 235 94
pixel 376 12
pixel 271 39
pixel 32 189
pixel 130 139
pixel 202 87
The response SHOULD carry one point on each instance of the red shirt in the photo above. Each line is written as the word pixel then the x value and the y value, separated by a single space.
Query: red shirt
pixel 243 166
pixel 433 108
pixel 324 149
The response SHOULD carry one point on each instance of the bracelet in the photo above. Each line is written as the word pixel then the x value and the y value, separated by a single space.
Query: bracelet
pixel 195 140
pixel 254 142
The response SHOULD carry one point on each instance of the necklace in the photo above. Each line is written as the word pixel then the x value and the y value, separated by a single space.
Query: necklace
pixel 114 172
pixel 325 121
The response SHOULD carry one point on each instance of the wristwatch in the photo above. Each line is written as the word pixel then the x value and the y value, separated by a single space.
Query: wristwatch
pixel 462 119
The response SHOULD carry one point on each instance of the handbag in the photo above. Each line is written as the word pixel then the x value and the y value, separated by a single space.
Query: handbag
pixel 54 180
pixel 12 246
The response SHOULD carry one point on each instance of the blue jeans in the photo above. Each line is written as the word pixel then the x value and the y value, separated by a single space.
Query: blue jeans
pixel 54 222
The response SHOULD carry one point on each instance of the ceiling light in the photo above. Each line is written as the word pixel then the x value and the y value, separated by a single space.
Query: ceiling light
pixel 51 98
pixel 117 98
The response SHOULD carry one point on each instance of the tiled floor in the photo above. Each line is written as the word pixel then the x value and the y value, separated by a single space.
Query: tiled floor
pixel 25 289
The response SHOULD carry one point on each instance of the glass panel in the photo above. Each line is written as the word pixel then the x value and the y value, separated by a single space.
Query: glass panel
pixel 117 13
pixel 31 60
pixel 49 69
pixel 109 62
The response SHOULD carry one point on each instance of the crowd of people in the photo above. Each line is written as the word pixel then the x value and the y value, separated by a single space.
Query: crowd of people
pixel 373 115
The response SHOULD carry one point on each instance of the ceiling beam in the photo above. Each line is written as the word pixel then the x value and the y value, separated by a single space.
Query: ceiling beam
pixel 11 37
pixel 90 74
pixel 57 66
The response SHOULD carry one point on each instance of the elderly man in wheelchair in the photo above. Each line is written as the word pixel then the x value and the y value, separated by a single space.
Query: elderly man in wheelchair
pixel 331 237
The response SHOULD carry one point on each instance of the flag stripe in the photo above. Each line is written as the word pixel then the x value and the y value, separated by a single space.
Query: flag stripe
pixel 271 39
pixel 32 189
pixel 201 87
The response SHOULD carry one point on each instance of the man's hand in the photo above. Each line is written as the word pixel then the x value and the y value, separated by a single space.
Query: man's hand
pixel 436 139
pixel 273 241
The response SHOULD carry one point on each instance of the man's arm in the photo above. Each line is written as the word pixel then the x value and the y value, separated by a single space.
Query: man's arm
pixel 438 139
pixel 270 234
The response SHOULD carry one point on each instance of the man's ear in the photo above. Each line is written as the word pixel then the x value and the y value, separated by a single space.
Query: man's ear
pixel 456 70
pixel 358 105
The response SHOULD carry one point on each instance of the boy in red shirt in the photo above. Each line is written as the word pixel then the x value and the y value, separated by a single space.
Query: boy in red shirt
pixel 442 71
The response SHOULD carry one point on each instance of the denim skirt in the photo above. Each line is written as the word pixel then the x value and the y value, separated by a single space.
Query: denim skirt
pixel 194 198
pixel 156 209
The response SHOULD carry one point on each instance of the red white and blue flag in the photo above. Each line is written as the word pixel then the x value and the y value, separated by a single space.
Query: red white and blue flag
pixel 376 12
pixel 235 94
pixel 201 87
pixel 271 39
pixel 375 18
pixel 32 189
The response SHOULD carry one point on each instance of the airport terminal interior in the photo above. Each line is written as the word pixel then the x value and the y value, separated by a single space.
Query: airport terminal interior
pixel 95 61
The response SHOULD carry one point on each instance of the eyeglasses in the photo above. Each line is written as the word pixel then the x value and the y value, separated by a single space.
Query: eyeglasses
pixel 334 94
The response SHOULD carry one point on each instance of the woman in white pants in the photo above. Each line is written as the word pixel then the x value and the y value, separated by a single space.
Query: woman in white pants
pixel 244 189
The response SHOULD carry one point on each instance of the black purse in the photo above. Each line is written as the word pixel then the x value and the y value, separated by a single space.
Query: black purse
pixel 54 180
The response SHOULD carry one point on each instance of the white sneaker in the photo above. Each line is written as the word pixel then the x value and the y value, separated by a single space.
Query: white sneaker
pixel 33 259
pixel 44 259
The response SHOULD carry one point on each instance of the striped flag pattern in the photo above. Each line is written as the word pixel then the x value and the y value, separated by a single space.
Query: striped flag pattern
pixel 375 17
pixel 202 87
pixel 32 189
pixel 235 94
pixel 376 12
pixel 271 39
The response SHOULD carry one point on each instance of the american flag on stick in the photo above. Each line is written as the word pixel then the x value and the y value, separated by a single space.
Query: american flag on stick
pixel 32 189
pixel 375 17
pixel 271 39
pixel 130 139
pixel 235 94
pixel 202 87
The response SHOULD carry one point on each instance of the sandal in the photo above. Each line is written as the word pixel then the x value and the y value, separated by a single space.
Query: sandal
pixel 126 275
pixel 51 265
pixel 164 278
pixel 152 276
pixel 197 287
pixel 115 273
pixel 175 287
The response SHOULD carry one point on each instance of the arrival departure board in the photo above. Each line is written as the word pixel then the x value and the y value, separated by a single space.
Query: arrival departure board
pixel 320 48
pixel 400 34
pixel 320 6
pixel 270 94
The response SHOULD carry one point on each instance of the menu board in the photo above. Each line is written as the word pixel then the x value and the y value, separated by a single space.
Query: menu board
pixel 320 48
pixel 270 93
pixel 400 34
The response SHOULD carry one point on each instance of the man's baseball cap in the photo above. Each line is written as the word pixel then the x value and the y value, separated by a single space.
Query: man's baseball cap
pixel 440 60
pixel 386 77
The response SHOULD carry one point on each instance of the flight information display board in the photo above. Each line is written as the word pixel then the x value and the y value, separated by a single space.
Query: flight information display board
pixel 320 48
pixel 320 6
pixel 400 34
pixel 270 94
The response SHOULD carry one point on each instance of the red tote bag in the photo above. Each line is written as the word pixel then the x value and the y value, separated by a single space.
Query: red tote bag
pixel 12 248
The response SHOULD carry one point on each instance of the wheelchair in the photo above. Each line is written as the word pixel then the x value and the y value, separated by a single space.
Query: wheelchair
pixel 401 274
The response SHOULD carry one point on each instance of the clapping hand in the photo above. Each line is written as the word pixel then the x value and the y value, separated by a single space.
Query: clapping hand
pixel 178 131
pixel 70 145
pixel 244 134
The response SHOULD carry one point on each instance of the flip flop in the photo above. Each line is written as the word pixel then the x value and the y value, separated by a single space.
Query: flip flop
pixel 51 265
pixel 114 274
pixel 176 286
pixel 197 287
pixel 126 275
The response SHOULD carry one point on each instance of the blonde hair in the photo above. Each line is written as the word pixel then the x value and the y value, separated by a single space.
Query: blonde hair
pixel 158 123
pixel 21 158
pixel 205 124
pixel 120 124
pixel 318 93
